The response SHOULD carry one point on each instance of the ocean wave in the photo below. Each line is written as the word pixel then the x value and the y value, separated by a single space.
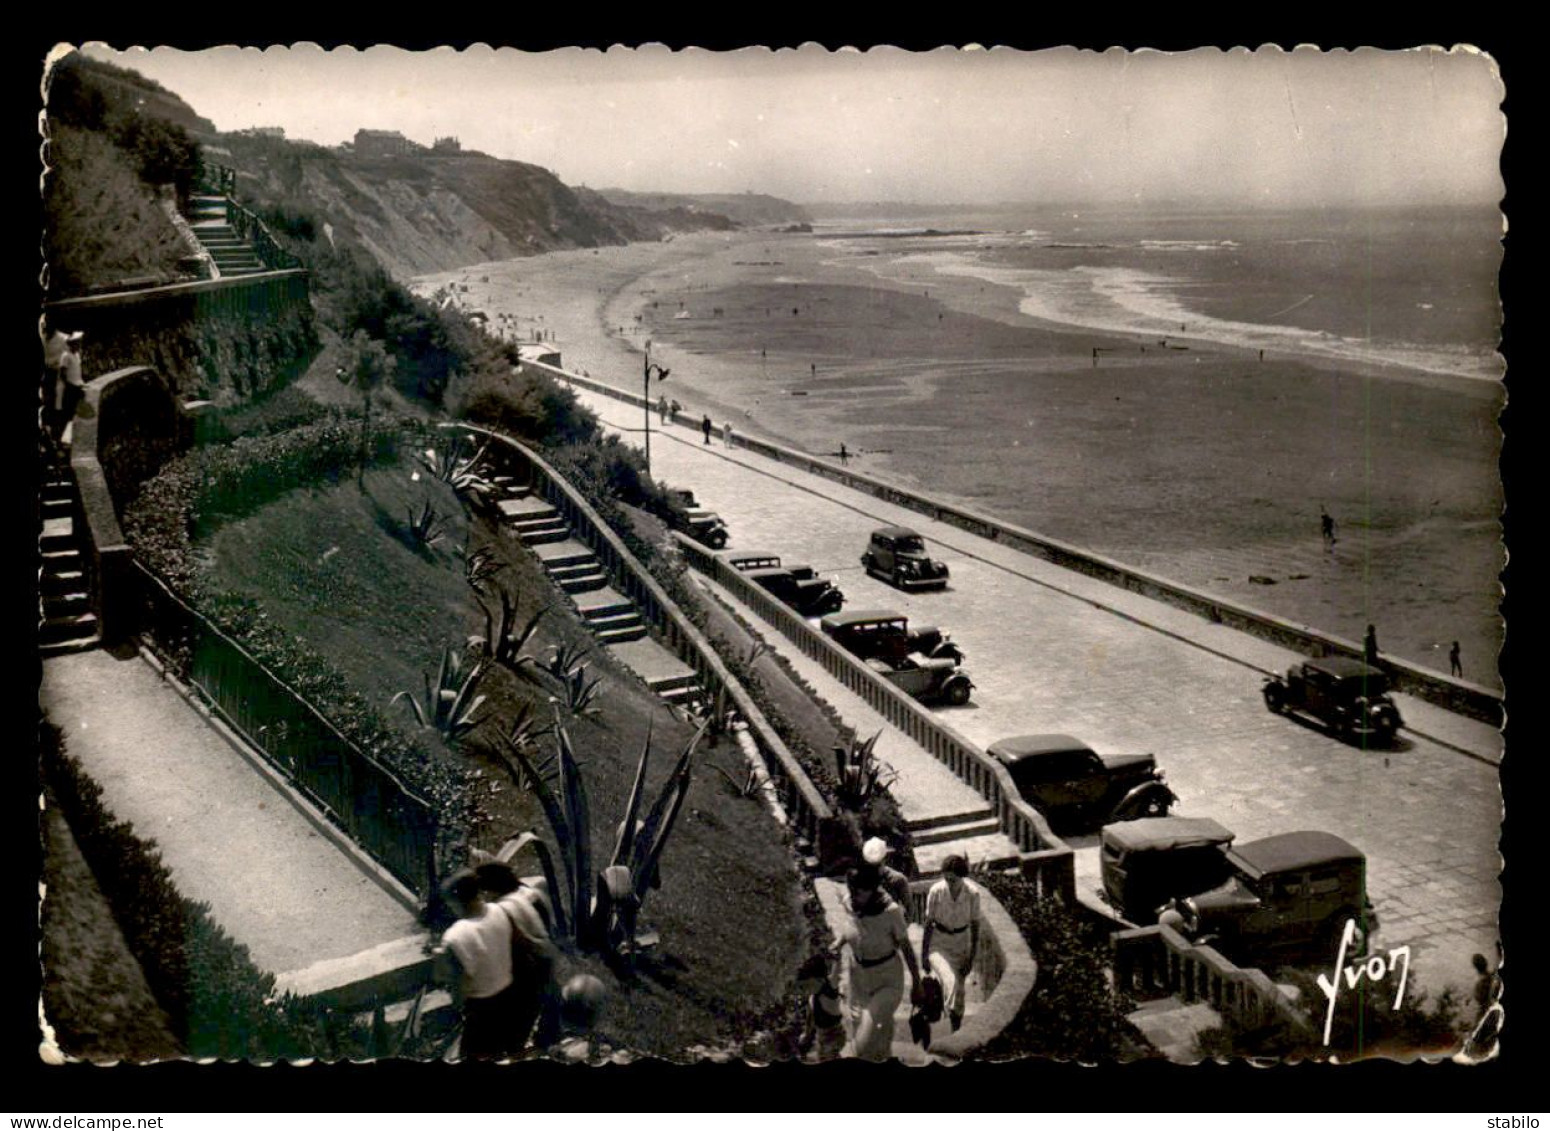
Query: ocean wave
pixel 1131 301
pixel 1188 245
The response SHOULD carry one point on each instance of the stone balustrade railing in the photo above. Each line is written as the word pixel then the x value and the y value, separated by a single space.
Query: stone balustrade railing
pixel 1471 699
pixel 1157 961
pixel 1046 859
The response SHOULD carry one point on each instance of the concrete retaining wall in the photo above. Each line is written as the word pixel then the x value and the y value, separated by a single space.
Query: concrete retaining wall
pixel 109 560
pixel 1470 699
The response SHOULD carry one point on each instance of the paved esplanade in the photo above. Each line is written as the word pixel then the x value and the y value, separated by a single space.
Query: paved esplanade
pixel 1052 650
pixel 229 837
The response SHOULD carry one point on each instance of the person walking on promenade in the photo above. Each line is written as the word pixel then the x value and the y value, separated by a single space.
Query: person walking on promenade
pixel 1455 666
pixel 895 882
pixel 1327 527
pixel 1370 646
pixel 952 932
pixel 673 409
pixel 478 946
pixel 706 426
pixel 876 939
pixel 662 408
pixel 726 433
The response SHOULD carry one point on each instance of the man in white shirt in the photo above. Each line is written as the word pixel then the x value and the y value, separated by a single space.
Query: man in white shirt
pixel 952 931
pixel 479 945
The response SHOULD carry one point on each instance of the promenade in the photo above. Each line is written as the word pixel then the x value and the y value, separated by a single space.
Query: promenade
pixel 274 876
pixel 1052 650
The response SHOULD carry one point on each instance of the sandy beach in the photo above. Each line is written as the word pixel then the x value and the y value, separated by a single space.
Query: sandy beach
pixel 1192 458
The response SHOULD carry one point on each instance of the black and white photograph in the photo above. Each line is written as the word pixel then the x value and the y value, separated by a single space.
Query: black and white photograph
pixel 771 556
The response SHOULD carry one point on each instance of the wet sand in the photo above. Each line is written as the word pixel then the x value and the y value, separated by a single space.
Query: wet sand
pixel 1200 462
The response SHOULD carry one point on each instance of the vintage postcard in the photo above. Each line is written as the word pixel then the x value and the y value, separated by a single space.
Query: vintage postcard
pixel 771 555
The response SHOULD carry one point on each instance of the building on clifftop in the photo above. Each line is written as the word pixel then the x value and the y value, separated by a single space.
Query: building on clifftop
pixel 382 143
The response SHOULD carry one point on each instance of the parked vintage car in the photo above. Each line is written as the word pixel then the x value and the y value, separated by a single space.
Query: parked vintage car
pixel 930 680
pixel 1347 696
pixel 811 596
pixel 885 634
pixel 898 555
pixel 744 560
pixel 1287 895
pixel 1075 787
pixel 1149 862
pixel 702 525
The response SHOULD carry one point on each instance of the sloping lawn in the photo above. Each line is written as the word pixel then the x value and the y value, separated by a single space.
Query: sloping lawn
pixel 335 566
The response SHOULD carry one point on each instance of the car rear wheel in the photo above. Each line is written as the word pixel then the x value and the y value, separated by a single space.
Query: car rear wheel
pixel 1275 698
pixel 958 693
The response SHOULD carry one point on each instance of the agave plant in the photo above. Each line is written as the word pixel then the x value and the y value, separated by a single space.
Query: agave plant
pixel 604 921
pixel 564 660
pixel 523 733
pixel 427 526
pixel 457 470
pixel 452 705
pixel 503 641
pixel 581 691
pixel 861 773
pixel 479 566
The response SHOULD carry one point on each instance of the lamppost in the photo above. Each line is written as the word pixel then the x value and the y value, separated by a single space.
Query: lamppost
pixel 661 372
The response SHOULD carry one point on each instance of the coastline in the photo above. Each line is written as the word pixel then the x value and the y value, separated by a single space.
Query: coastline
pixel 1205 464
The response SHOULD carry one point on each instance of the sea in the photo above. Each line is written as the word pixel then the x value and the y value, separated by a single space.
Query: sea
pixel 1186 390
pixel 1407 289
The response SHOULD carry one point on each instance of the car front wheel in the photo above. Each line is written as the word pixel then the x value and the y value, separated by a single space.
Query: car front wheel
pixel 1334 932
pixel 1275 698
pixel 958 693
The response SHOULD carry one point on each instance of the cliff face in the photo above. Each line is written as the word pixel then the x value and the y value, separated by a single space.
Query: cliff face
pixel 429 212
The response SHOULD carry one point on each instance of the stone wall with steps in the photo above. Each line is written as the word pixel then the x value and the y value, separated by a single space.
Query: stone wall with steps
pixel 66 620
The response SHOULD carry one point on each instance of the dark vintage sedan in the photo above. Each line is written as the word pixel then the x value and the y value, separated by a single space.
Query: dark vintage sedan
pixel 704 526
pixel 1149 862
pixel 1289 895
pixel 887 635
pixel 1349 697
pixel 1076 788
pixel 799 587
pixel 898 555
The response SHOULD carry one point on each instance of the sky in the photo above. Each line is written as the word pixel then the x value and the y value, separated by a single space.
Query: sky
pixel 1265 127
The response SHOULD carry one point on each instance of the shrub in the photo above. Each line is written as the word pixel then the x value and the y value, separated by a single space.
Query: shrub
pixel 1073 1011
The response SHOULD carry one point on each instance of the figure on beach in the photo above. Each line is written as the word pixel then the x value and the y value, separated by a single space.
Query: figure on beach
pixel 726 433
pixel 1370 646
pixel 662 408
pixel 1327 527
pixel 1455 666
pixel 705 427
pixel 844 455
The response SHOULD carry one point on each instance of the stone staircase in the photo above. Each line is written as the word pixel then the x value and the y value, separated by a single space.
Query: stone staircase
pixel 66 622
pixel 231 254
pixel 611 615
pixel 974 834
